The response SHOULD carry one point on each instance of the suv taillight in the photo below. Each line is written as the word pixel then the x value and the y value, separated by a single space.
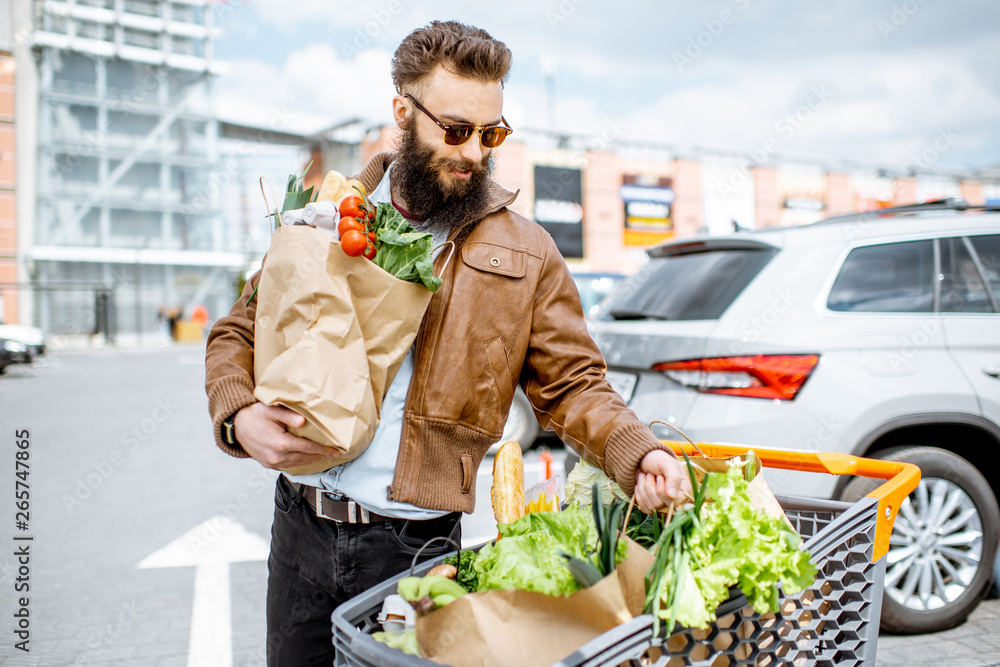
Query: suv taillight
pixel 763 376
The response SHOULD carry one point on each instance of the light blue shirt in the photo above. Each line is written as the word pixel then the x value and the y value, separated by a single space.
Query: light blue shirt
pixel 366 479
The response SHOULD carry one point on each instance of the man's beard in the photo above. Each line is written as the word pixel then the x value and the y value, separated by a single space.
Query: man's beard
pixel 419 175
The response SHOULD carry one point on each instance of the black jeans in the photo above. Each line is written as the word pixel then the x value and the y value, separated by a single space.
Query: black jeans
pixel 316 564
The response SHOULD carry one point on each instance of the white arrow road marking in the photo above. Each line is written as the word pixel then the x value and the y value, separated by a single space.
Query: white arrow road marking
pixel 210 548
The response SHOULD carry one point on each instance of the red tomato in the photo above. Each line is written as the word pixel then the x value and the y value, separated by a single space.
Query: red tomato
pixel 353 206
pixel 353 242
pixel 348 223
pixel 370 251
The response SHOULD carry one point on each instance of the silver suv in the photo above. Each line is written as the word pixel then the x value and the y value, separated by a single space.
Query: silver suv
pixel 875 334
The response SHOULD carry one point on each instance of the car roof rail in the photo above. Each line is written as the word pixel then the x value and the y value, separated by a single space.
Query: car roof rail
pixel 946 204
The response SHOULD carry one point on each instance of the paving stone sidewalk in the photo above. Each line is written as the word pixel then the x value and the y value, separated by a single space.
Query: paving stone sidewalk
pixel 975 643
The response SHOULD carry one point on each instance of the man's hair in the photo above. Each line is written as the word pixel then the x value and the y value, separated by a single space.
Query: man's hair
pixel 461 49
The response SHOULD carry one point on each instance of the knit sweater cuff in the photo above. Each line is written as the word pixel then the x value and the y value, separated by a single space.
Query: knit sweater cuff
pixel 229 395
pixel 626 447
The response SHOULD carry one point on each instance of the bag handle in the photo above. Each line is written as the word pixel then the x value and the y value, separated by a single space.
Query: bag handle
pixel 670 508
pixel 270 211
pixel 450 255
pixel 431 541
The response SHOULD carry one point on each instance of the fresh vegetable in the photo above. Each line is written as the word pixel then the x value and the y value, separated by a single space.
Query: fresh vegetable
pixel 529 555
pixel 405 641
pixel 354 243
pixel 581 480
pixel 348 223
pixel 467 575
pixel 721 541
pixel 403 251
pixel 353 206
pixel 429 592
pixel 443 570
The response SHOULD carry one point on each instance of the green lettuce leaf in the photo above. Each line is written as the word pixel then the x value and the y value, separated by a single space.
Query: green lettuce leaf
pixel 527 555
pixel 403 251
pixel 734 544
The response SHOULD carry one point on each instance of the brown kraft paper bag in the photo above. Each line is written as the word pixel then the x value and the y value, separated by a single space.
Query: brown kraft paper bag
pixel 331 332
pixel 512 628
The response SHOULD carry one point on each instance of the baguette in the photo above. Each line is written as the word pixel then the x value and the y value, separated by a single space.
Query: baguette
pixel 507 492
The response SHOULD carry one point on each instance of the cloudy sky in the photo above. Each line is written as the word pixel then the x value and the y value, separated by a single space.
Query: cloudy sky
pixel 854 80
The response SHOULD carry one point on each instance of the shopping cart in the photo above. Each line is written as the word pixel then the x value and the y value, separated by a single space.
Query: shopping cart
pixel 833 622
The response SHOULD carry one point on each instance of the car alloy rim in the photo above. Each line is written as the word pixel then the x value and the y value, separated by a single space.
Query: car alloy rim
pixel 936 546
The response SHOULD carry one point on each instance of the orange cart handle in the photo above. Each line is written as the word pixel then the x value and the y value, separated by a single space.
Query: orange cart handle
pixel 901 478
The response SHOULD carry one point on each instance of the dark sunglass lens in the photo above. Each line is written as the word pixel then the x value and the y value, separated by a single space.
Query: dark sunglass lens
pixel 493 136
pixel 457 135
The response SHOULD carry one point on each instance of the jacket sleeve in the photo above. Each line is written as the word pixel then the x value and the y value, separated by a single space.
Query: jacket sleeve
pixel 563 378
pixel 229 379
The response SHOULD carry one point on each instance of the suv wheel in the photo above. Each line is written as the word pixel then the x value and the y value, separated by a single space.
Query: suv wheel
pixel 521 425
pixel 943 544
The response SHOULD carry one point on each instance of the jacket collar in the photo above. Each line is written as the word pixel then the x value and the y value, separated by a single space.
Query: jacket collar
pixel 499 196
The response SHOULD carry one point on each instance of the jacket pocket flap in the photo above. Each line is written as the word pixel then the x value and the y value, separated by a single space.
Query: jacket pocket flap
pixel 496 259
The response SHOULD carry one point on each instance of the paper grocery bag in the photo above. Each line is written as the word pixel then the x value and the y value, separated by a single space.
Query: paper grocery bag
pixel 761 497
pixel 512 628
pixel 330 334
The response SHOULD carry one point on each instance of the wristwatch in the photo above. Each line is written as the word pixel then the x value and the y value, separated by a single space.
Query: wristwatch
pixel 229 430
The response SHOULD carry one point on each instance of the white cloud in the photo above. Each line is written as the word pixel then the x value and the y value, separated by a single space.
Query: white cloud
pixel 878 109
pixel 315 88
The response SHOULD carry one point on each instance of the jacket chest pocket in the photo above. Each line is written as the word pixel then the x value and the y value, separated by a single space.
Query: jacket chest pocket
pixel 496 259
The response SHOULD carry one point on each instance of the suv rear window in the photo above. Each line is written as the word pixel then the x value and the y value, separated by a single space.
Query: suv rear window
pixel 694 286
pixel 887 278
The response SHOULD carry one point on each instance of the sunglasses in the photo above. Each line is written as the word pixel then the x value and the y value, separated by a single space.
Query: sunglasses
pixel 457 134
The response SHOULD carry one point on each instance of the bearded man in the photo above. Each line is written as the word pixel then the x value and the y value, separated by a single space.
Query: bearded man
pixel 507 313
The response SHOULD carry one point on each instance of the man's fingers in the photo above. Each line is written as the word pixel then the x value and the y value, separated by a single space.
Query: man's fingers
pixel 292 443
pixel 285 416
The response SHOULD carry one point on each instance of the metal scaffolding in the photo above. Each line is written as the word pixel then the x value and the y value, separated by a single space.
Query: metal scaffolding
pixel 127 191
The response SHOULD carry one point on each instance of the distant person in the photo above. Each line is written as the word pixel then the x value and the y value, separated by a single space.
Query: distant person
pixel 507 313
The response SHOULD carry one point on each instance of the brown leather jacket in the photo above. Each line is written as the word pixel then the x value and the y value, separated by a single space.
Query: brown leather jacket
pixel 507 312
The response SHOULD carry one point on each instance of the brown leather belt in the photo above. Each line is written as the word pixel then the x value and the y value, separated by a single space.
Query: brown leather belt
pixel 341 511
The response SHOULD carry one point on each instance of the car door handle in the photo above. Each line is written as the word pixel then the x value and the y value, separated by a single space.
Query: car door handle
pixel 992 371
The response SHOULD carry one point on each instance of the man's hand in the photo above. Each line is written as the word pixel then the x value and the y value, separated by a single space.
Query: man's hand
pixel 659 481
pixel 261 430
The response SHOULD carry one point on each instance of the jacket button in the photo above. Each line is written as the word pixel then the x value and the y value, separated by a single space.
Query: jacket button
pixel 495 261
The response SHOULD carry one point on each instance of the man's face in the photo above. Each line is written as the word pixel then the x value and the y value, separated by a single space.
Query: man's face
pixel 438 180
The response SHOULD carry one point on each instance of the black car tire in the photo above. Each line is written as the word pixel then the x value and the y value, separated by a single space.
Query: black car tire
pixel 938 464
pixel 521 424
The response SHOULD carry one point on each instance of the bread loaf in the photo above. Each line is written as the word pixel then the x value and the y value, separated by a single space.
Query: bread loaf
pixel 332 188
pixel 507 493
pixel 336 186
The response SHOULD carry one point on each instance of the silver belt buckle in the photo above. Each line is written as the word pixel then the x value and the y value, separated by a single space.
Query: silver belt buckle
pixel 352 513
pixel 319 504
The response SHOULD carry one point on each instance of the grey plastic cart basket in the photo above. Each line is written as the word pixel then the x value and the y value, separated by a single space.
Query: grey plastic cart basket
pixel 834 622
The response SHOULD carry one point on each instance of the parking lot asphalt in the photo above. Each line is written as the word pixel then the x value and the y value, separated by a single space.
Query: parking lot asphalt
pixel 123 466
pixel 975 643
